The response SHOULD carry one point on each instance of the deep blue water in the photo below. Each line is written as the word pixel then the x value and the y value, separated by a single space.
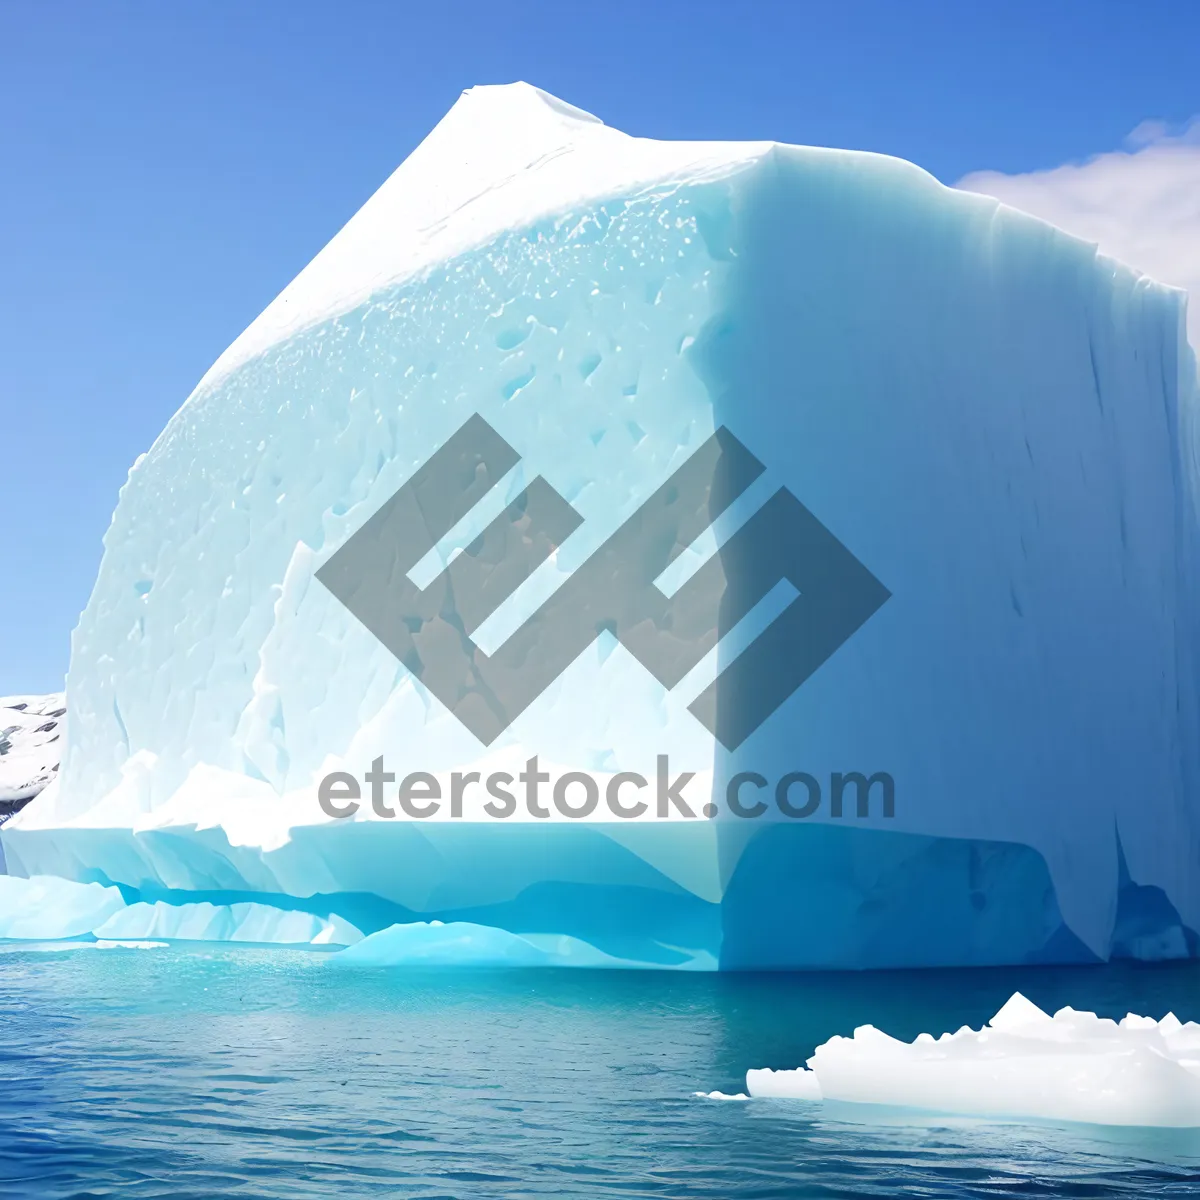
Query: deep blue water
pixel 214 1073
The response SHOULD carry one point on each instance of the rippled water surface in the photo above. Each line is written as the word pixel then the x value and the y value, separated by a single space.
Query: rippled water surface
pixel 211 1072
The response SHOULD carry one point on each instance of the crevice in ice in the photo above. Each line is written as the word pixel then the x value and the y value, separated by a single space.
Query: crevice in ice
pixel 120 720
pixel 1095 371
pixel 1148 926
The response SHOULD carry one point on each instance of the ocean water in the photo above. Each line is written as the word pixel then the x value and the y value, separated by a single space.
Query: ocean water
pixel 212 1072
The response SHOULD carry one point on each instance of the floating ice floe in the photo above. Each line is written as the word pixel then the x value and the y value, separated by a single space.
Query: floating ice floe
pixel 98 944
pixel 1073 1066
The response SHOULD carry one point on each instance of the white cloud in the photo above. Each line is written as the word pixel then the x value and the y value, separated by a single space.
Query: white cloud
pixel 1140 205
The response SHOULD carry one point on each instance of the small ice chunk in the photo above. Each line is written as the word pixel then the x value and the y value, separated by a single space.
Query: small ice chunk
pixel 60 947
pixel 105 944
pixel 1074 1066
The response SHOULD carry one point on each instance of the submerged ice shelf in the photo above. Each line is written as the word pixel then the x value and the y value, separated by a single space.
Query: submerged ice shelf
pixel 56 912
pixel 995 422
pixel 48 908
pixel 1072 1066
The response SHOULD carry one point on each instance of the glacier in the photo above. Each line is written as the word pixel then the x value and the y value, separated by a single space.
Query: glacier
pixel 994 420
pixel 1024 1064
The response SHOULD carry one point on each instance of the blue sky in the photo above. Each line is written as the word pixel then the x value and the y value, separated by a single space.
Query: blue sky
pixel 168 168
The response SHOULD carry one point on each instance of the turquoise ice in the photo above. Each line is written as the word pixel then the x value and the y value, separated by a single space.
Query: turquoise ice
pixel 996 420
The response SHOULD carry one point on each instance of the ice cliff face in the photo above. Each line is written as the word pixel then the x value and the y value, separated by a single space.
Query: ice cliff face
pixel 993 422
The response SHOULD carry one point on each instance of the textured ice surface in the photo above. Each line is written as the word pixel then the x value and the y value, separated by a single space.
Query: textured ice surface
pixel 31 745
pixel 1073 1066
pixel 998 422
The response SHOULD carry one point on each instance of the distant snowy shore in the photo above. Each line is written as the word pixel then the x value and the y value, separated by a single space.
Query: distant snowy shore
pixel 31 744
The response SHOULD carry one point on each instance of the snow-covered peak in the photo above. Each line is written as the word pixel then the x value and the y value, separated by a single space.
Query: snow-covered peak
pixel 31 743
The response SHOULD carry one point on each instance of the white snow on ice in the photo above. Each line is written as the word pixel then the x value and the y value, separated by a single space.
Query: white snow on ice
pixel 524 155
pixel 1072 1066
pixel 32 730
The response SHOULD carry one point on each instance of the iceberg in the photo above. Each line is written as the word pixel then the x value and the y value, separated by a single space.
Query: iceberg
pixel 852 515
pixel 1073 1066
